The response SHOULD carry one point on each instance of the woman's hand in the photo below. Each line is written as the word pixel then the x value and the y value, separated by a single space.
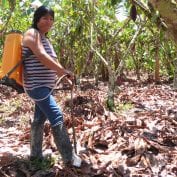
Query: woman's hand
pixel 69 77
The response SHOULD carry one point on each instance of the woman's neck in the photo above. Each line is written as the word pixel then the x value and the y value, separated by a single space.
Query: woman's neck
pixel 42 34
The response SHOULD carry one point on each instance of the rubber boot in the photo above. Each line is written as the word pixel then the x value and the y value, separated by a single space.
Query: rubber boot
pixel 37 129
pixel 64 146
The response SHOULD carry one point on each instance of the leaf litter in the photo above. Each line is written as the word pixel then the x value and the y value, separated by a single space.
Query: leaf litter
pixel 138 139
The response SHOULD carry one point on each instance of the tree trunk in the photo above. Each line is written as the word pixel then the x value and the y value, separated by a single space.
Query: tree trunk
pixel 111 89
pixel 137 66
pixel 157 67
pixel 157 62
pixel 175 75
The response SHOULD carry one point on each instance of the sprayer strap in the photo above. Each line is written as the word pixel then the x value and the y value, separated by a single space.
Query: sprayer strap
pixel 14 68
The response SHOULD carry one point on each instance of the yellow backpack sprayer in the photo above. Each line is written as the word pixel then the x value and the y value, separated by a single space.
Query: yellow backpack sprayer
pixel 11 67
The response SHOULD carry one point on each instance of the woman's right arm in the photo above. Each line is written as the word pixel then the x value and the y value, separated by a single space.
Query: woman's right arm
pixel 32 40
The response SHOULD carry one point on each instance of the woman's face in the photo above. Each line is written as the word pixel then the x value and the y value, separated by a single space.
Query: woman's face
pixel 45 23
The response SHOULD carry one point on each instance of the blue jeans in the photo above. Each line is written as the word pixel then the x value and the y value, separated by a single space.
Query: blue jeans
pixel 47 108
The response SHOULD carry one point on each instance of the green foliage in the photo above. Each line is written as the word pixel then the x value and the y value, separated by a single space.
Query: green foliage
pixel 124 106
pixel 44 164
pixel 14 15
pixel 110 104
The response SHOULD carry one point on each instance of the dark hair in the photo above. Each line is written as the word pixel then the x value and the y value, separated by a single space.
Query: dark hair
pixel 40 12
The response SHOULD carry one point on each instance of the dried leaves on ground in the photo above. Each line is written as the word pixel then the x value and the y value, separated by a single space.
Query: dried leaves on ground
pixel 138 139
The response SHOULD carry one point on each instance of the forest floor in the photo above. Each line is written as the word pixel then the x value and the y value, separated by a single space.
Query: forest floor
pixel 138 139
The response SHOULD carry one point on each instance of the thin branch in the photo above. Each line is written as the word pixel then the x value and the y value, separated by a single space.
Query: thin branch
pixel 128 49
pixel 92 48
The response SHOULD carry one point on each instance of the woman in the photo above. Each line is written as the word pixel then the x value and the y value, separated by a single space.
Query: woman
pixel 40 70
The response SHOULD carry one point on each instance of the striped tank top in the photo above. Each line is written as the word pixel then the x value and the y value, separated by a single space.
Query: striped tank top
pixel 36 74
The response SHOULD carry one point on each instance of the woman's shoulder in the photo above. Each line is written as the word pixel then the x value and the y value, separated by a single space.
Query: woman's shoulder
pixel 30 37
pixel 31 32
